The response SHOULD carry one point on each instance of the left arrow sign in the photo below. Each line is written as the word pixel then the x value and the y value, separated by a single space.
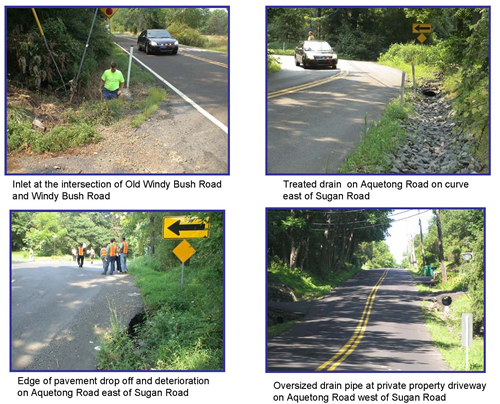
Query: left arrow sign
pixel 175 227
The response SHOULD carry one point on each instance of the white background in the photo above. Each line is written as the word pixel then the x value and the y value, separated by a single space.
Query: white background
pixel 245 194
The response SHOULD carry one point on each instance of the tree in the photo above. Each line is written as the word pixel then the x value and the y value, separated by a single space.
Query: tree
pixel 217 23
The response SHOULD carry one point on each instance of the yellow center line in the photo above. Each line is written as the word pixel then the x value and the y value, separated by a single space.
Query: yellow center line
pixel 307 85
pixel 205 60
pixel 353 342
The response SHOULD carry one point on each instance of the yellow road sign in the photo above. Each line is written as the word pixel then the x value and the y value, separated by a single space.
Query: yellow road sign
pixel 184 251
pixel 422 28
pixel 177 227
pixel 109 12
pixel 422 38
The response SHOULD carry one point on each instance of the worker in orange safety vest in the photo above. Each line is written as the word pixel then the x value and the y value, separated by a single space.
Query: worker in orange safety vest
pixel 123 255
pixel 110 257
pixel 81 255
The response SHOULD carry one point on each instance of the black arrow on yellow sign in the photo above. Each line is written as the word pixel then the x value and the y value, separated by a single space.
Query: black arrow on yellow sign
pixel 177 227
pixel 422 28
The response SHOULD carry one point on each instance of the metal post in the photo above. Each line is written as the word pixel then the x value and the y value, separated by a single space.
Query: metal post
pixel 85 50
pixel 422 242
pixel 402 88
pixel 182 276
pixel 414 80
pixel 48 49
pixel 444 278
pixel 130 64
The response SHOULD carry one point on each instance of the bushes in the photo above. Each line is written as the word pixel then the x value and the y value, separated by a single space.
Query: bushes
pixel 186 35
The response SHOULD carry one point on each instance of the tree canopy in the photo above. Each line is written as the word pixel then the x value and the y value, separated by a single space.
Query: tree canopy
pixel 324 242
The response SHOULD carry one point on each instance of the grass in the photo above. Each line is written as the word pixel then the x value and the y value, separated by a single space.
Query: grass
pixel 305 285
pixel 454 283
pixel 74 126
pixel 277 329
pixel 446 335
pixel 183 330
pixel 149 105
pixel 24 256
pixel 378 140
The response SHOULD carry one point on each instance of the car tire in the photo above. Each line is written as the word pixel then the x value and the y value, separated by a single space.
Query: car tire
pixel 297 63
pixel 174 52
pixel 334 67
pixel 148 52
pixel 304 63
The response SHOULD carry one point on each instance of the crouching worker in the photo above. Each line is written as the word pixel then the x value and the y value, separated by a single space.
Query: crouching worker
pixel 113 82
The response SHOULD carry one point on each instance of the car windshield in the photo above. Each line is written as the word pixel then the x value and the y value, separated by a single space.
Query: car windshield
pixel 159 34
pixel 317 46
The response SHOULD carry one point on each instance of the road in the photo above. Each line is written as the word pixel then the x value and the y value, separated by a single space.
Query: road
pixel 373 322
pixel 200 74
pixel 311 129
pixel 59 312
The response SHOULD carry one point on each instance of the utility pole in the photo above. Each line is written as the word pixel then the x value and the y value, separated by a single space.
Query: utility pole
pixel 440 245
pixel 422 241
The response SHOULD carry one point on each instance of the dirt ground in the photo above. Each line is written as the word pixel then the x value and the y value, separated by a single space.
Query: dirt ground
pixel 177 139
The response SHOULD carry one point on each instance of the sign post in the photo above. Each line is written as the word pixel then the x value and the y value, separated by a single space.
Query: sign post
pixel 466 335
pixel 183 227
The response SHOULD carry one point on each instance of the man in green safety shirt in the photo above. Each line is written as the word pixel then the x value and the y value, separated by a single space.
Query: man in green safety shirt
pixel 113 82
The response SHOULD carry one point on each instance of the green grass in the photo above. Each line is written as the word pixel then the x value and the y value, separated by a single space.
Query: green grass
pixel 446 335
pixel 277 329
pixel 183 331
pixel 24 256
pixel 378 140
pixel 454 283
pixel 137 75
pixel 149 105
pixel 306 286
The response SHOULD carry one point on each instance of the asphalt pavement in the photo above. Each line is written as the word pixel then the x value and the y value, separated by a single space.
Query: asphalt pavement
pixel 373 322
pixel 59 312
pixel 315 117
pixel 200 74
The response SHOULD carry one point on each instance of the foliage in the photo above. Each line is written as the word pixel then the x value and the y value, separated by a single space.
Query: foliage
pixel 463 232
pixel 183 330
pixel 217 23
pixel 22 136
pixel 66 31
pixel 379 256
pixel 378 140
pixel 446 335
pixel 187 35
pixel 324 244
pixel 273 64
pixel 36 230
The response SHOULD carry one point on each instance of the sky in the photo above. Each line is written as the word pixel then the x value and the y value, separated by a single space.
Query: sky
pixel 403 227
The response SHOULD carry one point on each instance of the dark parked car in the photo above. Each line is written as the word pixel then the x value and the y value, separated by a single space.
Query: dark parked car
pixel 315 53
pixel 157 41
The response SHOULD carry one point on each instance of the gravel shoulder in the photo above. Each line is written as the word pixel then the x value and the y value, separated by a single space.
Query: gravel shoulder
pixel 177 139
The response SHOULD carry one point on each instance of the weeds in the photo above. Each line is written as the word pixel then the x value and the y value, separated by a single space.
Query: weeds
pixel 378 140
pixel 149 105
pixel 446 335
pixel 183 331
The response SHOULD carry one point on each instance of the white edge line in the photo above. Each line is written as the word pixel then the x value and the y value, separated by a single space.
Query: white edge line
pixel 181 94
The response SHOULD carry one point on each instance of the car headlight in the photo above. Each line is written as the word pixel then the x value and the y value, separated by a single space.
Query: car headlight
pixel 154 43
pixel 309 55
pixel 176 43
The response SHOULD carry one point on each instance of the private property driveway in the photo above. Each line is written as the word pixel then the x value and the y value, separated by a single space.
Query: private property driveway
pixel 315 117
pixel 373 322
pixel 59 312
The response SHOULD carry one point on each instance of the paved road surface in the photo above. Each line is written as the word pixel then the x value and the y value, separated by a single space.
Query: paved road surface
pixel 311 131
pixel 394 339
pixel 59 311
pixel 201 75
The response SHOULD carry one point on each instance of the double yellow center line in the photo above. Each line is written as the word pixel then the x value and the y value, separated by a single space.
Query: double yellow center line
pixel 307 85
pixel 356 338
pixel 205 60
